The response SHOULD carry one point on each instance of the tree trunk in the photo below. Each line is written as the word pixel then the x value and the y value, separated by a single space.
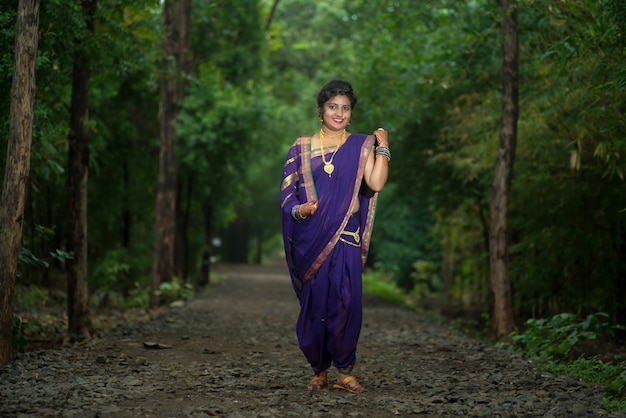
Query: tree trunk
pixel 79 321
pixel 207 253
pixel 182 236
pixel 503 320
pixel 15 184
pixel 176 60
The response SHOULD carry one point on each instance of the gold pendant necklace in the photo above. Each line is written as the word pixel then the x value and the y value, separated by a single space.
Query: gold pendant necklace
pixel 329 167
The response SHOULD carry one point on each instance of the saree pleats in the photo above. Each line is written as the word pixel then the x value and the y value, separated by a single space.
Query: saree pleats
pixel 330 319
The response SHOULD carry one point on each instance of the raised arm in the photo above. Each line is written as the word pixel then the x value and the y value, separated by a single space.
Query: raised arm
pixel 377 165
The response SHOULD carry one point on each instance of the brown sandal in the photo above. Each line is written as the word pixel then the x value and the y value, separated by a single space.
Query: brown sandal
pixel 319 381
pixel 350 384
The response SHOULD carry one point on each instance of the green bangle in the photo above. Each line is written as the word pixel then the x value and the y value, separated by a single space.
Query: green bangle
pixel 295 213
pixel 384 151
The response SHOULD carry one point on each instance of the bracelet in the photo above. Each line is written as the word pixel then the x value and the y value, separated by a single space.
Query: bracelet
pixel 383 151
pixel 295 213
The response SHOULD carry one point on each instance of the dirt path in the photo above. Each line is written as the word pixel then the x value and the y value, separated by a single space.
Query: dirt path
pixel 232 352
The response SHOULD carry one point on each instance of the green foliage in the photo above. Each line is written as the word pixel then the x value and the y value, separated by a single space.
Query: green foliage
pixel 429 72
pixel 113 271
pixel 230 36
pixel 395 216
pixel 553 341
pixel 379 284
pixel 612 377
pixel 138 297
pixel 426 278
pixel 174 290
pixel 30 298
pixel 118 279
pixel 556 338
pixel 614 404
pixel 28 258
pixel 8 16
pixel 568 182
pixel 123 146
pixel 567 190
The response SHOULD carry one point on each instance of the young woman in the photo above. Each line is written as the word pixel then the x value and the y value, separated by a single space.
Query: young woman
pixel 328 197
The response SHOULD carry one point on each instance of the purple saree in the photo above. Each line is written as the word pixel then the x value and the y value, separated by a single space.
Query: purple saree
pixel 324 256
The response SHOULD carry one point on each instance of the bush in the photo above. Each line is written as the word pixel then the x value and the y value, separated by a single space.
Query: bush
pixel 174 290
pixel 379 284
pixel 555 338
pixel 553 341
pixel 30 298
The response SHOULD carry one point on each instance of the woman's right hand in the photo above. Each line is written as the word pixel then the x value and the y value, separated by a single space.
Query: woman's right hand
pixel 307 209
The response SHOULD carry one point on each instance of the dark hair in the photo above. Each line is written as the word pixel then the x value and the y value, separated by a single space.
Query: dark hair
pixel 336 88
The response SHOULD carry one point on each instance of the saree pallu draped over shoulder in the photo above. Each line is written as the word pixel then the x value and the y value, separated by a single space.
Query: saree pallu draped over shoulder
pixel 309 241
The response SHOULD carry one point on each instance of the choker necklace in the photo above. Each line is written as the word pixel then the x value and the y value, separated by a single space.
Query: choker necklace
pixel 329 167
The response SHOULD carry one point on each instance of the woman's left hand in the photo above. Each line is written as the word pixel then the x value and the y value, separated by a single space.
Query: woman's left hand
pixel 382 137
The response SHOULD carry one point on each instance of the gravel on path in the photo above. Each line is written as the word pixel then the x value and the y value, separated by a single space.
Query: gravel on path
pixel 232 352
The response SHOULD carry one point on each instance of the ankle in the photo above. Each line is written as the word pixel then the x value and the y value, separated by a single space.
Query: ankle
pixel 344 371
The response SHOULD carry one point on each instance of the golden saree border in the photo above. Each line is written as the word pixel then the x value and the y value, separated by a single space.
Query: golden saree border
pixel 371 211
pixel 307 174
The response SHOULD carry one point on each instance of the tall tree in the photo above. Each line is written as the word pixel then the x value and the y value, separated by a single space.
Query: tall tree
pixel 17 167
pixel 503 320
pixel 175 62
pixel 79 321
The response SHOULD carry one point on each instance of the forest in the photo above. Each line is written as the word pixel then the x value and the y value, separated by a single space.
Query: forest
pixel 244 87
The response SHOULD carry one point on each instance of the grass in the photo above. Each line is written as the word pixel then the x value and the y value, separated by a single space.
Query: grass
pixel 381 285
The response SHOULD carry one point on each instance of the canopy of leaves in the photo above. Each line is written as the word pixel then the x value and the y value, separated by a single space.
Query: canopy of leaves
pixel 429 72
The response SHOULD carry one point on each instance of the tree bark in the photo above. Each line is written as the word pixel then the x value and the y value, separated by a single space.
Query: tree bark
pixel 182 236
pixel 17 169
pixel 503 320
pixel 207 253
pixel 174 65
pixel 79 321
pixel 270 17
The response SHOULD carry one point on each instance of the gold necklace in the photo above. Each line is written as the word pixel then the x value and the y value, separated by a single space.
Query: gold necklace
pixel 329 167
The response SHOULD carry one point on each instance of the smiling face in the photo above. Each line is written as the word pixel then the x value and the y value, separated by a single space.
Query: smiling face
pixel 336 113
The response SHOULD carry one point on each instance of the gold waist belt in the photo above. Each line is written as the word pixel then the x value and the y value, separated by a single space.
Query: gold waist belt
pixel 354 235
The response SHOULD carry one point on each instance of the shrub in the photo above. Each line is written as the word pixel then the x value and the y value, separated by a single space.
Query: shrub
pixel 174 290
